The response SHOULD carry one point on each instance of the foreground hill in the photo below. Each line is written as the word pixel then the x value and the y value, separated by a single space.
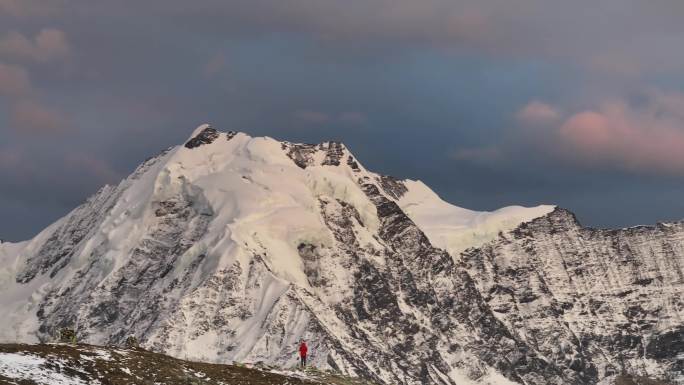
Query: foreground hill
pixel 63 364
pixel 232 248
pixel 60 364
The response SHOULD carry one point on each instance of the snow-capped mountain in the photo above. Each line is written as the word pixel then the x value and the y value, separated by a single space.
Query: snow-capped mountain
pixel 232 248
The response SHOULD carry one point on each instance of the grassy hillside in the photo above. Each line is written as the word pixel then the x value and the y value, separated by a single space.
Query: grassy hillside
pixel 62 364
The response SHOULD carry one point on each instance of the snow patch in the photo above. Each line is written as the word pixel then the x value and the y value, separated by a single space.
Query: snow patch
pixel 456 229
pixel 28 367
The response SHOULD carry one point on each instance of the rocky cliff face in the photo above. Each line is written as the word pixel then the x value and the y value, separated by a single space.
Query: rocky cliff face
pixel 601 302
pixel 232 248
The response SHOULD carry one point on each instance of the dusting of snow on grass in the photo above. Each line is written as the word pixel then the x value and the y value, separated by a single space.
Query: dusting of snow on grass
pixel 27 367
pixel 104 355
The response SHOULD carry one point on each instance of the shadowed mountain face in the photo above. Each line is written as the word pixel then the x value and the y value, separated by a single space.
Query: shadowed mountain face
pixel 232 248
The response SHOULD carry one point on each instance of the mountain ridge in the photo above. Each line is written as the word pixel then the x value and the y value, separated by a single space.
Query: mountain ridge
pixel 230 247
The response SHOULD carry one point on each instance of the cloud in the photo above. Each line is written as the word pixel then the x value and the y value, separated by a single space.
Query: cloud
pixel 388 20
pixel 639 35
pixel 215 65
pixel 483 155
pixel 47 45
pixel 29 116
pixel 93 166
pixel 69 174
pixel 14 81
pixel 312 117
pixel 645 138
pixel 537 112
pixel 9 158
pixel 347 118
pixel 410 66
pixel 27 8
pixel 353 117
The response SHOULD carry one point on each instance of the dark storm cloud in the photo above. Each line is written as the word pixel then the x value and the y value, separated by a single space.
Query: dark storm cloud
pixel 611 35
pixel 490 102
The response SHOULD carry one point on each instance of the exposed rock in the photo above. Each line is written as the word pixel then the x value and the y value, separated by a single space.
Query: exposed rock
pixel 353 164
pixel 207 136
pixel 132 343
pixel 301 154
pixel 591 300
pixel 304 155
pixel 67 335
pixel 333 153
pixel 392 186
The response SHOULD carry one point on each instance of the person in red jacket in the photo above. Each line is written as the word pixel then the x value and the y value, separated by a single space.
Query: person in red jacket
pixel 303 349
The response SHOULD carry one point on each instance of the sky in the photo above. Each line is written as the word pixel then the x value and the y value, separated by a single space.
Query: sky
pixel 489 102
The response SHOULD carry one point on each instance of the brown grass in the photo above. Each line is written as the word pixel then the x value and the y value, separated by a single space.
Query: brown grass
pixel 147 368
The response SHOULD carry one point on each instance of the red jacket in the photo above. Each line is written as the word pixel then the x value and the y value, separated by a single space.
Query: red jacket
pixel 303 349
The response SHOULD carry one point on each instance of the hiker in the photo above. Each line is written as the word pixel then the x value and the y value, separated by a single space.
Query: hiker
pixel 302 353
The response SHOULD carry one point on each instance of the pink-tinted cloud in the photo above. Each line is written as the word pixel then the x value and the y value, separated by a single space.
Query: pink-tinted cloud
pixel 646 138
pixel 31 117
pixel 348 118
pixel 47 45
pixel 537 112
pixel 353 117
pixel 9 158
pixel 16 165
pixel 312 117
pixel 215 65
pixel 591 131
pixel 485 154
pixel 14 81
pixel 27 8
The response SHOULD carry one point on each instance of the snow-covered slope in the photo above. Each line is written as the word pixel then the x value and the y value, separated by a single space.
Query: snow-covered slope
pixel 456 229
pixel 233 248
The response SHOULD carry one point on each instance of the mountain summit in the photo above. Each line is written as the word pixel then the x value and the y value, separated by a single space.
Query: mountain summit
pixel 233 248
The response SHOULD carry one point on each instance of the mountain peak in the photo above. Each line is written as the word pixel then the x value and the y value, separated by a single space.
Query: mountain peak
pixel 232 248
pixel 199 129
pixel 327 153
pixel 323 154
pixel 206 134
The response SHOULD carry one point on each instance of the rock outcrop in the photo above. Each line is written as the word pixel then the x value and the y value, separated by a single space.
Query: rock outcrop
pixel 602 302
